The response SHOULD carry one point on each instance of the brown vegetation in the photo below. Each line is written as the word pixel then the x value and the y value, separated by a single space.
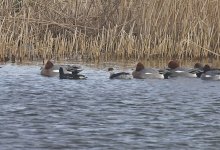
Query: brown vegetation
pixel 109 29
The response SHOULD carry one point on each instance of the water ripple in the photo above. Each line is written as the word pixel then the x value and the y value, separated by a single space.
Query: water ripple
pixel 47 113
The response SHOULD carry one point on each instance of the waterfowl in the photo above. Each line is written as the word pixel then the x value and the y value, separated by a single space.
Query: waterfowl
pixel 73 76
pixel 177 71
pixel 48 70
pixel 199 68
pixel 73 69
pixel 210 73
pixel 51 70
pixel 142 73
pixel 119 75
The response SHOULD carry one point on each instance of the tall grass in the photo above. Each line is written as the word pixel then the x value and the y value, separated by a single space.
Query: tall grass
pixel 91 30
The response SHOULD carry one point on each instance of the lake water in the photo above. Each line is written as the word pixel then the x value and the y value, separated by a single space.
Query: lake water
pixel 41 113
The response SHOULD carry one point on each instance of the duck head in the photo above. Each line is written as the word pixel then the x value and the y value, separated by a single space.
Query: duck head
pixel 110 69
pixel 48 65
pixel 173 64
pixel 206 68
pixel 198 65
pixel 139 67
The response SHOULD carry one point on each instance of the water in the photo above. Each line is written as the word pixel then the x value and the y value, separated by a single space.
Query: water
pixel 41 113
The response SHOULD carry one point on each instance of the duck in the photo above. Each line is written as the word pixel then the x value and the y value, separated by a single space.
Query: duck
pixel 210 73
pixel 73 76
pixel 48 70
pixel 143 73
pixel 119 75
pixel 73 69
pixel 177 71
pixel 51 70
pixel 199 68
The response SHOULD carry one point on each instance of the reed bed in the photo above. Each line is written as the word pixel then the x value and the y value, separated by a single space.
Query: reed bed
pixel 102 30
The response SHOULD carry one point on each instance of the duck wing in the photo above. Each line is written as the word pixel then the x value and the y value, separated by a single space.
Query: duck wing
pixel 213 72
pixel 115 75
pixel 163 71
pixel 195 70
pixel 73 69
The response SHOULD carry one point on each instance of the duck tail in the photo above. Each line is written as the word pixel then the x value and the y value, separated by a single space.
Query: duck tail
pixel 167 74
pixel 199 74
pixel 82 77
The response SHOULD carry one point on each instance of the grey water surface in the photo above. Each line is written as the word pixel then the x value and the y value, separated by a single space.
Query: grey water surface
pixel 42 113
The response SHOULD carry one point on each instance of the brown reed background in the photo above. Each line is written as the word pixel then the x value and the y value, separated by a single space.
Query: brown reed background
pixel 109 29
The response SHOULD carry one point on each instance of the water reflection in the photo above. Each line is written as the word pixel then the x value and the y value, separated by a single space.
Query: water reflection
pixel 48 113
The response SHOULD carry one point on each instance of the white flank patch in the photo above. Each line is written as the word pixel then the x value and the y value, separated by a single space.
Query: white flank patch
pixel 55 70
pixel 194 75
pixel 208 76
pixel 148 73
pixel 179 71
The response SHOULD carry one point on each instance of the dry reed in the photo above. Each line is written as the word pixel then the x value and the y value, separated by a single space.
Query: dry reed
pixel 96 30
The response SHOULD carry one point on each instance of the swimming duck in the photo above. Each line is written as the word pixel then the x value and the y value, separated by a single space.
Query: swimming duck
pixel 72 76
pixel 177 71
pixel 120 75
pixel 199 67
pixel 73 69
pixel 48 70
pixel 142 73
pixel 51 70
pixel 210 73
